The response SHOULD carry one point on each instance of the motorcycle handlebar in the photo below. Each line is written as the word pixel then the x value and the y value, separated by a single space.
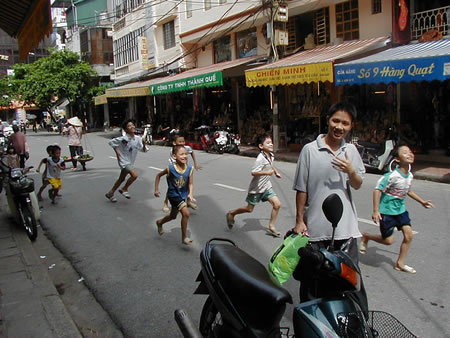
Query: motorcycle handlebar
pixel 311 257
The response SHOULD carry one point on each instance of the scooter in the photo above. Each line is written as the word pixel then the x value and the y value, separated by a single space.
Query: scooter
pixel 374 155
pixel 243 301
pixel 211 141
pixel 146 132
pixel 21 198
pixel 233 142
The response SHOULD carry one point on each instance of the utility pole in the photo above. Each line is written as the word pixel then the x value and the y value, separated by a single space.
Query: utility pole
pixel 278 37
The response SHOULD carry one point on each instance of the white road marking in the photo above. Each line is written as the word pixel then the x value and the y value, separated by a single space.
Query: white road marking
pixel 114 158
pixel 155 168
pixel 229 187
pixel 370 222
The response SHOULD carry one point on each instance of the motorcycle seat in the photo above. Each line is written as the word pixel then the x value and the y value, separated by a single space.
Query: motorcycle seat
pixel 249 287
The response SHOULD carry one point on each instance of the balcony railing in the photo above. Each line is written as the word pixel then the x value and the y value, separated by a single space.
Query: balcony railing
pixel 438 18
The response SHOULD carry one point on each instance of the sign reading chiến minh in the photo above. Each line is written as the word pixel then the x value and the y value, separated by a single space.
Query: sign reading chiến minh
pixel 305 73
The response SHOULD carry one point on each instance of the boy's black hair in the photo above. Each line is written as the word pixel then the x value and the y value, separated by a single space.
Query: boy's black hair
pixel 11 147
pixel 125 123
pixel 397 147
pixel 55 147
pixel 176 148
pixel 50 149
pixel 177 135
pixel 261 138
pixel 344 106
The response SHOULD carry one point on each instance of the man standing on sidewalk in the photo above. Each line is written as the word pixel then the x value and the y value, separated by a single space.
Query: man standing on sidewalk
pixel 19 142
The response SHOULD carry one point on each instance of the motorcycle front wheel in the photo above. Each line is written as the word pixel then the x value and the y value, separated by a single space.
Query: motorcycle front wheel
pixel 30 222
pixel 209 319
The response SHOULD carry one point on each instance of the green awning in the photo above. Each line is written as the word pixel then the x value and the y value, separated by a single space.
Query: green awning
pixel 212 79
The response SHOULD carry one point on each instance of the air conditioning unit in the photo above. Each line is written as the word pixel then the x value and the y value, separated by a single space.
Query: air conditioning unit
pixel 281 37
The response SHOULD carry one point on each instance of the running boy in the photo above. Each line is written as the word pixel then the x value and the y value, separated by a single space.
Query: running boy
pixel 126 148
pixel 179 141
pixel 260 188
pixel 389 207
pixel 45 181
pixel 180 182
pixel 54 166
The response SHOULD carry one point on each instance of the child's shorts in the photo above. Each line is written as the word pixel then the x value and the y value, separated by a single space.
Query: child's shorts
pixel 56 183
pixel 127 168
pixel 177 202
pixel 254 199
pixel 389 222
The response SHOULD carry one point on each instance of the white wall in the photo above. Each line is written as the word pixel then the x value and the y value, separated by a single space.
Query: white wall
pixel 374 25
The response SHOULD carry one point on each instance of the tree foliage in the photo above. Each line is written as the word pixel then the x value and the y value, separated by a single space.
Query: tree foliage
pixel 60 75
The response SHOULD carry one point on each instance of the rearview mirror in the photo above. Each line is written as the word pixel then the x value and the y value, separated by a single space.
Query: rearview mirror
pixel 332 208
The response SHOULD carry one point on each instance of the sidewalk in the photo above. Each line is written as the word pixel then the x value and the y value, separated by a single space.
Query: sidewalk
pixel 424 168
pixel 30 305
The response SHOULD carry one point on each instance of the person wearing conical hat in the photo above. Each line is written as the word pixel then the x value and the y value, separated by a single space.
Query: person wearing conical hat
pixel 75 132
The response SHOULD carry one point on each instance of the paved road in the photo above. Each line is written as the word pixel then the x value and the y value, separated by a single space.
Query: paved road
pixel 140 277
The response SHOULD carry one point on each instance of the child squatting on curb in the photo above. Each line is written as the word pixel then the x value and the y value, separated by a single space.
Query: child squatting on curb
pixel 389 207
pixel 260 188
pixel 180 189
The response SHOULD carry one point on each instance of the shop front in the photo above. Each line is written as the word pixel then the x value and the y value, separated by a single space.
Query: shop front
pixel 301 88
pixel 405 89
pixel 209 95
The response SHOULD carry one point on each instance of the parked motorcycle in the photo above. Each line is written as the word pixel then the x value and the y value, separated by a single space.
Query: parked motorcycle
pixel 233 142
pixel 376 156
pixel 21 198
pixel 212 140
pixel 243 301
pixel 146 133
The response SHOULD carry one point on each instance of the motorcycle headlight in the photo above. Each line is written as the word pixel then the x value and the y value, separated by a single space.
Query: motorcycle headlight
pixel 15 173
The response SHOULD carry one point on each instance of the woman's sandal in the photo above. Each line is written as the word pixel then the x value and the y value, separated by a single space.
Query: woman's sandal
pixel 273 232
pixel 111 198
pixel 125 194
pixel 160 228
pixel 230 220
pixel 187 241
pixel 405 268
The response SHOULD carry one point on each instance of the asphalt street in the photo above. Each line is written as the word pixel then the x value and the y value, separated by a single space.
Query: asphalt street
pixel 140 278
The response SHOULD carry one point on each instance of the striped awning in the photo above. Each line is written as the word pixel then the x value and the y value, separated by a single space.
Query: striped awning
pixel 314 65
pixel 426 61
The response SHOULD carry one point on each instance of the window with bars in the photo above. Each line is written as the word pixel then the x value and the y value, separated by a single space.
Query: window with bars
pixel 122 7
pixel 169 34
pixel 222 49
pixel 207 4
pixel 126 48
pixel 376 6
pixel 347 20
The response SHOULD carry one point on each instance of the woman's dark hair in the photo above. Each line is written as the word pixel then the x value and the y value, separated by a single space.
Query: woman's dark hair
pixel 343 106
pixel 125 123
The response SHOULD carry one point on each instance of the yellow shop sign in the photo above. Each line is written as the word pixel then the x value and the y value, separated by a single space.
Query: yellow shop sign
pixel 305 73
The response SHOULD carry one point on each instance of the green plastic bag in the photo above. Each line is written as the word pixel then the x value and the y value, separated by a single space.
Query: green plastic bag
pixel 285 258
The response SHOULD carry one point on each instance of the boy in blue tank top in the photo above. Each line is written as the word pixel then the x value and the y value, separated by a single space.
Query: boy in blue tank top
pixel 180 189
pixel 389 207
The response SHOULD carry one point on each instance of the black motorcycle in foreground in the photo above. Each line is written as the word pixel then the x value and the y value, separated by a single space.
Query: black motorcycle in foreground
pixel 244 302
pixel 21 199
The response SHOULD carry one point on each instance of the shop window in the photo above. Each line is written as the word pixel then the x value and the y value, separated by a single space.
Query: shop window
pixel 207 4
pixel 347 20
pixel 222 49
pixel 247 44
pixel 188 8
pixel 169 34
pixel 376 6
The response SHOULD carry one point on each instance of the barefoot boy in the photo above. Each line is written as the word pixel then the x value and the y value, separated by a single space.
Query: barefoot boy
pixel 389 207
pixel 260 188
pixel 180 190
